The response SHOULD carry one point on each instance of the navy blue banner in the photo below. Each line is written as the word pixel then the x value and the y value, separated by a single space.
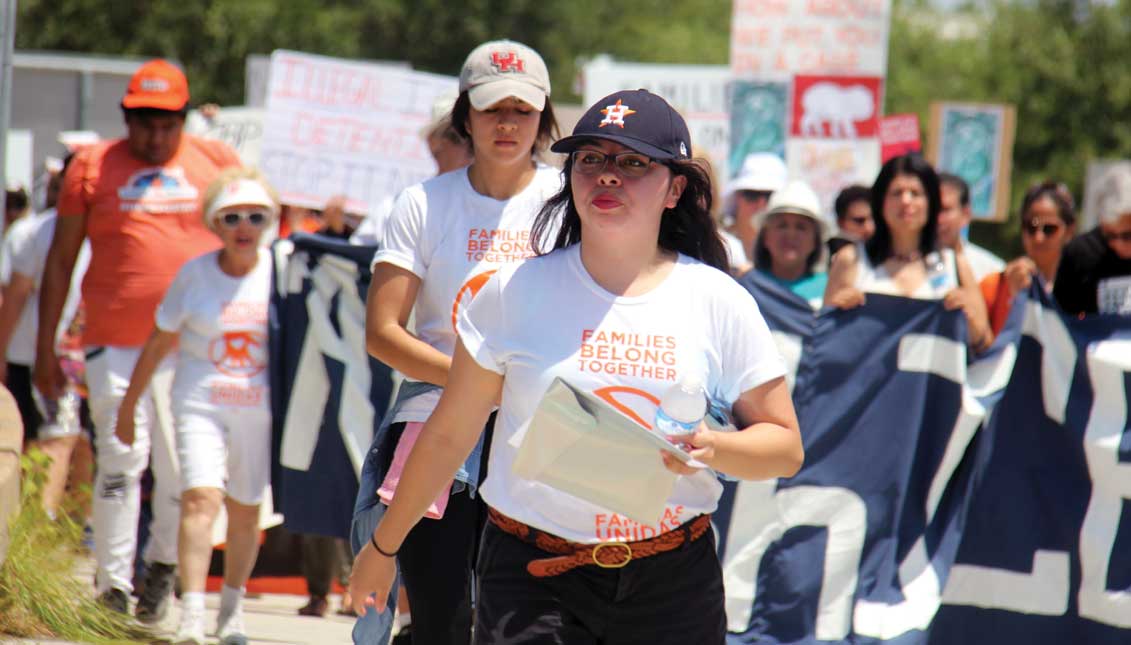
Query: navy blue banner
pixel 328 394
pixel 902 467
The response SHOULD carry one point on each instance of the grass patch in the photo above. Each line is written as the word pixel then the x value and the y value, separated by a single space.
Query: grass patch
pixel 39 595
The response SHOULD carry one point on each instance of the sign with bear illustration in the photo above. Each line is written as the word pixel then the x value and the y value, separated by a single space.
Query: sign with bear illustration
pixel 836 107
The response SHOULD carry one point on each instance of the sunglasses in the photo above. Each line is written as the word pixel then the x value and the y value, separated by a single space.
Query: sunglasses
pixel 1031 228
pixel 233 219
pixel 594 162
pixel 1122 236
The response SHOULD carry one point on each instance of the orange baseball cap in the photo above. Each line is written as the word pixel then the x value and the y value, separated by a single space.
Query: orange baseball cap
pixel 158 85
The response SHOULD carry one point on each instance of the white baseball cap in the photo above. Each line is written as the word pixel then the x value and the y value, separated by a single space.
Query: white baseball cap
pixel 500 69
pixel 797 198
pixel 761 171
pixel 242 192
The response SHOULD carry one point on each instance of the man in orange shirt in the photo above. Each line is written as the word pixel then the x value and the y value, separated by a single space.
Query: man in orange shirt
pixel 138 200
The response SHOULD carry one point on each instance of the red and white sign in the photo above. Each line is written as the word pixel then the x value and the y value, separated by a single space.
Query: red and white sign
pixel 899 135
pixel 836 107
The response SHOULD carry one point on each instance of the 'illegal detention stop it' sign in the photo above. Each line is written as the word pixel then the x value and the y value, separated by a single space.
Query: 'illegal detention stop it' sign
pixel 341 127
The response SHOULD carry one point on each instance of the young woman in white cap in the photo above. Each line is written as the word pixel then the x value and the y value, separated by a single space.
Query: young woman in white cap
pixel 443 240
pixel 790 242
pixel 637 263
pixel 216 312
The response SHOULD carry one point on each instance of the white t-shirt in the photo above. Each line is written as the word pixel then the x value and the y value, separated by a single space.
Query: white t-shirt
pixel 548 318
pixel 371 231
pixel 942 276
pixel 454 239
pixel 736 255
pixel 982 262
pixel 222 321
pixel 25 252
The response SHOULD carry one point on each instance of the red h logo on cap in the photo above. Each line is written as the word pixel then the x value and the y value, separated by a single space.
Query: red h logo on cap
pixel 509 62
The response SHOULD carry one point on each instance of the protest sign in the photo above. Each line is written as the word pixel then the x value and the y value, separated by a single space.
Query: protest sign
pixel 340 127
pixel 836 107
pixel 239 127
pixel 1089 218
pixel 776 39
pixel 699 92
pixel 828 165
pixel 17 159
pixel 975 142
pixel 759 115
pixel 899 135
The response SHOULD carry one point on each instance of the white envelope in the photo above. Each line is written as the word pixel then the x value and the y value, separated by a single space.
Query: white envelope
pixel 578 444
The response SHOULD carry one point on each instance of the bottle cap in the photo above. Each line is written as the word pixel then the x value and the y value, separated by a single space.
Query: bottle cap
pixel 691 383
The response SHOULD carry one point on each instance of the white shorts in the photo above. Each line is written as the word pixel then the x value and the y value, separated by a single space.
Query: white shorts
pixel 227 448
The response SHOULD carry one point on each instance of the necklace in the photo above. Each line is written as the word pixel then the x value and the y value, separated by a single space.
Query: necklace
pixel 907 257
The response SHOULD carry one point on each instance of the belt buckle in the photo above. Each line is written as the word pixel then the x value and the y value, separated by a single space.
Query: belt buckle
pixel 618 565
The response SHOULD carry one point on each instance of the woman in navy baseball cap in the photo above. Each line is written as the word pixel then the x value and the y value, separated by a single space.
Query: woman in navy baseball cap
pixel 632 300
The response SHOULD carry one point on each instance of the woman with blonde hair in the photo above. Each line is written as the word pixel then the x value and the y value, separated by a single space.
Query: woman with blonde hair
pixel 216 313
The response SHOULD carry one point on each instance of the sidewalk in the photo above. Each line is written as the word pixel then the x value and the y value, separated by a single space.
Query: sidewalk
pixel 271 619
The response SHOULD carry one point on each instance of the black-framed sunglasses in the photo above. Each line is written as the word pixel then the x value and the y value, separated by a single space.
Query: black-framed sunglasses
pixel 628 164
pixel 1031 228
pixel 233 219
pixel 1122 236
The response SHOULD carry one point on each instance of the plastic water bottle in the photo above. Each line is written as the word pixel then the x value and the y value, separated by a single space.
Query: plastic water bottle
pixel 937 275
pixel 681 409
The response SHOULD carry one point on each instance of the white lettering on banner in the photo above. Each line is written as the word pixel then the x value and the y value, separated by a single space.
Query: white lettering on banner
pixel 789 346
pixel 922 592
pixel 760 517
pixel 1108 364
pixel 333 277
pixel 1043 590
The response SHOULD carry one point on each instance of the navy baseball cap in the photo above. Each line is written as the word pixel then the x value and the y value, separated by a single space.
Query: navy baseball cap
pixel 636 119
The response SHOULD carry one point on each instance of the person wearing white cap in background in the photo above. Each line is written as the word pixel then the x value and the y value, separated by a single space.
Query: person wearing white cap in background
pixel 1094 275
pixel 747 194
pixel 790 242
pixel 444 239
pixel 216 311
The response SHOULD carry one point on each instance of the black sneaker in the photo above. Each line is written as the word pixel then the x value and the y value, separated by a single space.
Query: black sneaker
pixel 154 599
pixel 115 600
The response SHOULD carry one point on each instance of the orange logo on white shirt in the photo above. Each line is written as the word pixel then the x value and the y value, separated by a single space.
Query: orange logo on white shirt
pixel 468 292
pixel 239 353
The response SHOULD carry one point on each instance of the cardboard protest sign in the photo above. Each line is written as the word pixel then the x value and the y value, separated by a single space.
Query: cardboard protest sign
pixel 239 127
pixel 975 142
pixel 339 127
pixel 779 38
pixel 759 115
pixel 899 135
pixel 698 92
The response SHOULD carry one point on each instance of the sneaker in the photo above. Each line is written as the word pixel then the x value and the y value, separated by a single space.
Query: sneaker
pixel 403 637
pixel 316 607
pixel 154 600
pixel 191 629
pixel 232 631
pixel 115 600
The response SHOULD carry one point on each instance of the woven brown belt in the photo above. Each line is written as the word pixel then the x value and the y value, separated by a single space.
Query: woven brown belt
pixel 607 555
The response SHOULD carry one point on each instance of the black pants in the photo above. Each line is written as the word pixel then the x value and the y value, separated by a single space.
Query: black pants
pixel 436 561
pixel 674 597
pixel 324 560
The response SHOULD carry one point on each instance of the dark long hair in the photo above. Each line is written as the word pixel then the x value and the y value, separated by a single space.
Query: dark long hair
pixel 1055 191
pixel 547 122
pixel 688 228
pixel 878 246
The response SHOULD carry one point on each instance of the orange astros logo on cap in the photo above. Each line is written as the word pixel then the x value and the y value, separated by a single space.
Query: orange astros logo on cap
pixel 614 114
